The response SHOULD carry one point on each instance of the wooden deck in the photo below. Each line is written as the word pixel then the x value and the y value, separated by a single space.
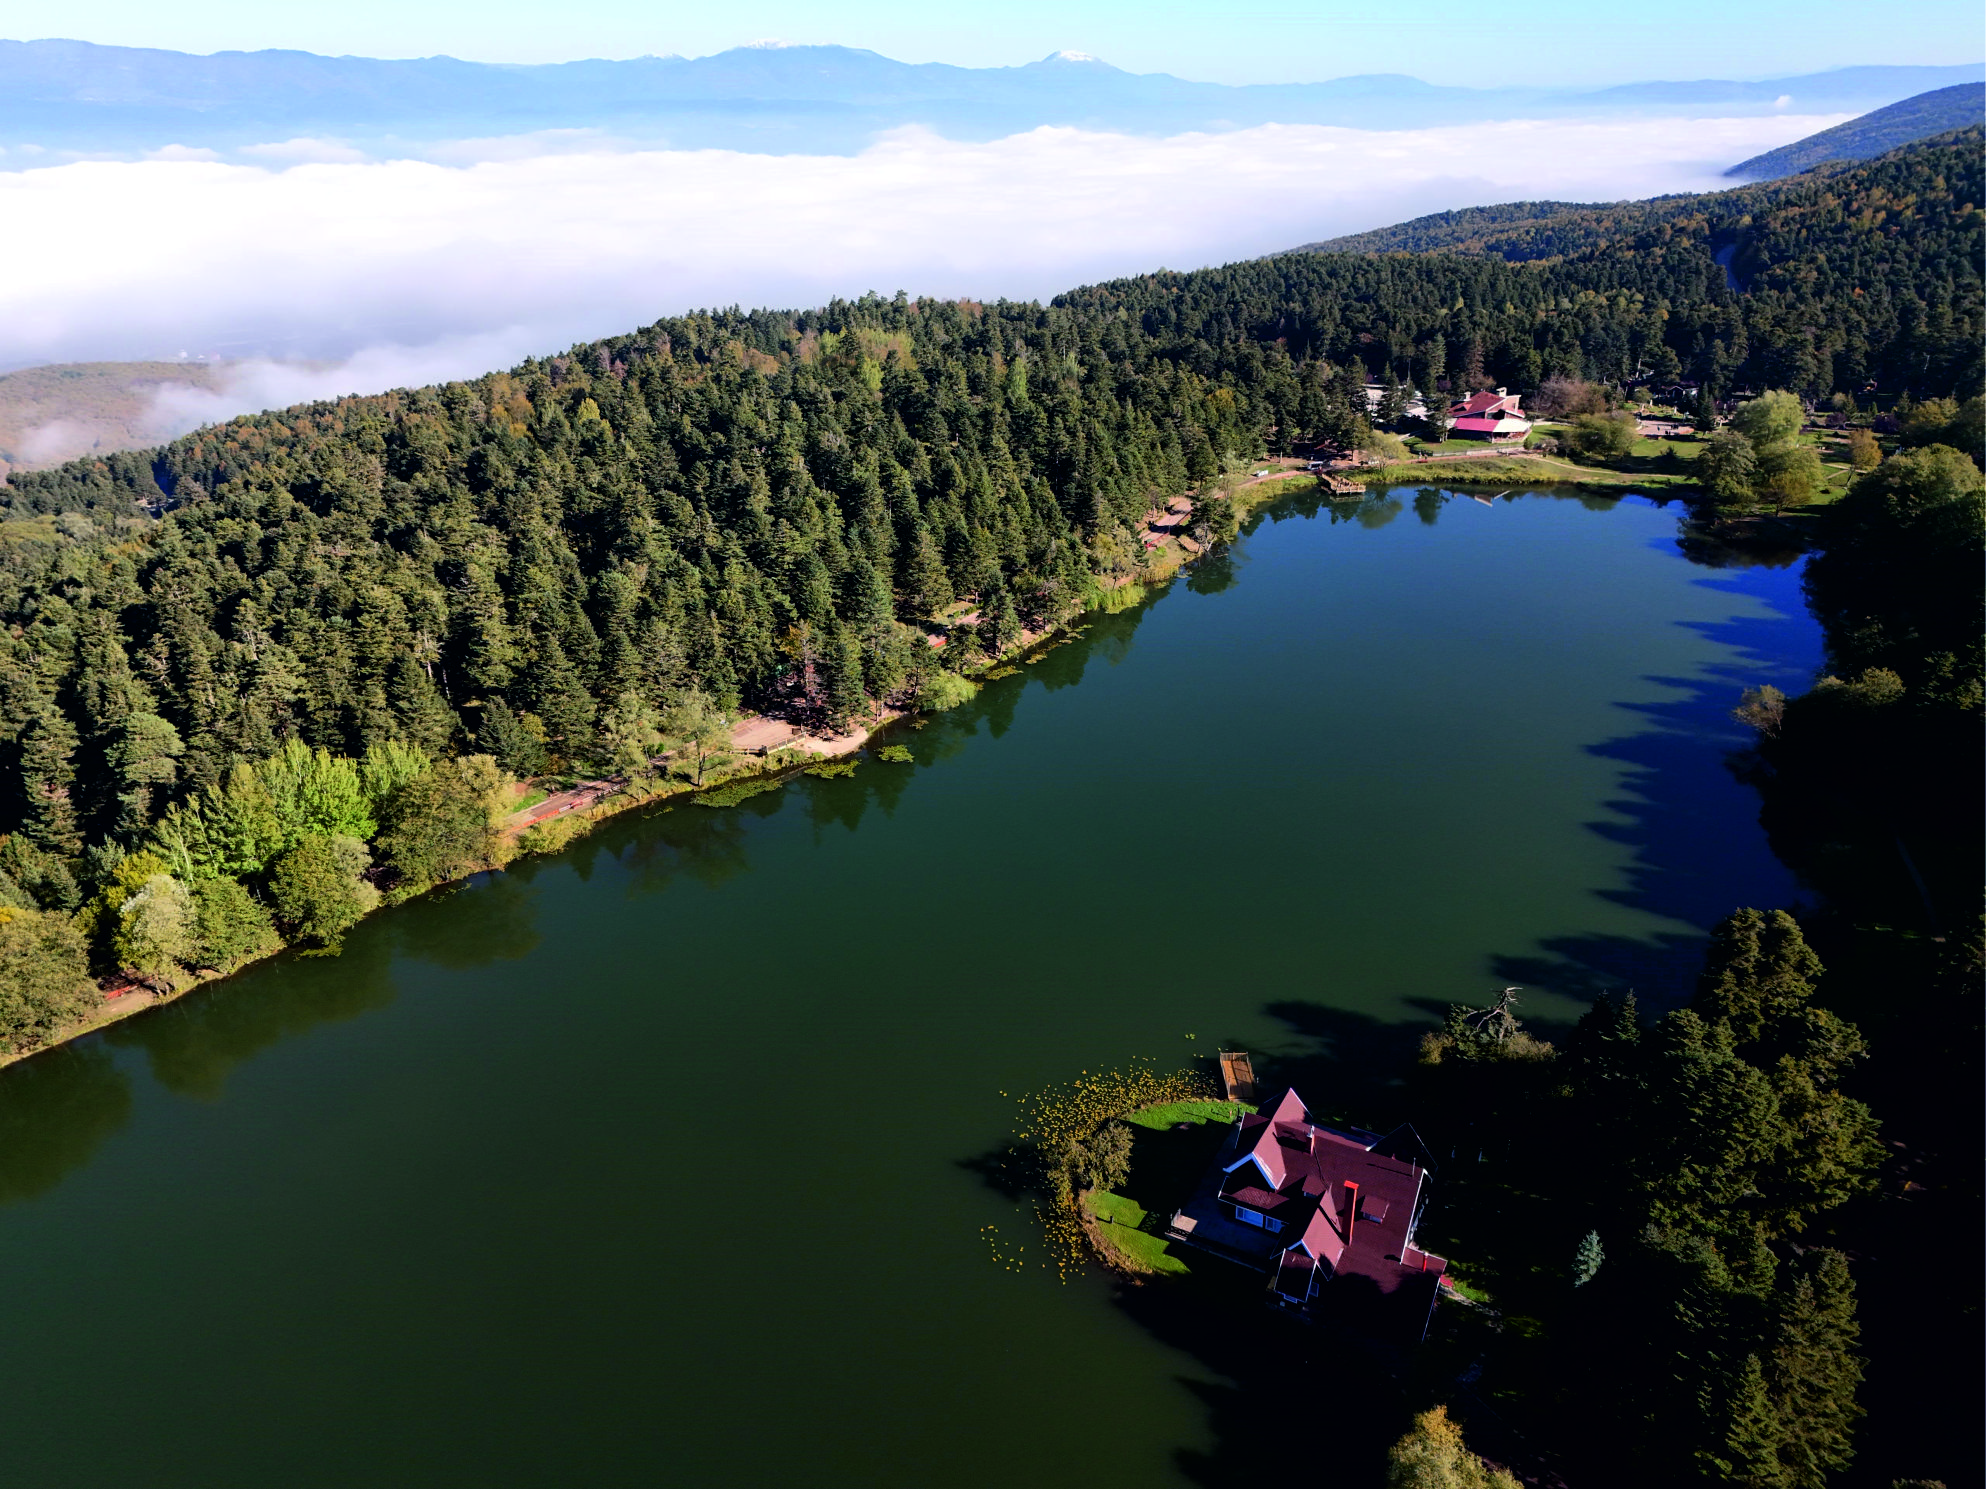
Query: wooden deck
pixel 1238 1075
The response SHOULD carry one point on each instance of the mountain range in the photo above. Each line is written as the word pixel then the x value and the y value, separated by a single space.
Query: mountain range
pixel 77 97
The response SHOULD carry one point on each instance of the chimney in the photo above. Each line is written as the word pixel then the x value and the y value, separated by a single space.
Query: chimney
pixel 1351 1209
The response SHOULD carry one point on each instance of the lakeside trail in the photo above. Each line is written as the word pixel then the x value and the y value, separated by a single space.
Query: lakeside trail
pixel 754 735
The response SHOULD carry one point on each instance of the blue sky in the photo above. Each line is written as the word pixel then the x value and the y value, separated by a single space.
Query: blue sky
pixel 1444 41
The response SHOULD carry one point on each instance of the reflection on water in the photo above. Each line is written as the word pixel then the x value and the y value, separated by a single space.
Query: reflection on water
pixel 1403 764
pixel 702 844
pixel 1771 545
pixel 55 1111
pixel 195 1042
pixel 487 919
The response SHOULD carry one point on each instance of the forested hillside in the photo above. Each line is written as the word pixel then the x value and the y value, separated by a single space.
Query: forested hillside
pixel 1816 244
pixel 736 501
pixel 1877 131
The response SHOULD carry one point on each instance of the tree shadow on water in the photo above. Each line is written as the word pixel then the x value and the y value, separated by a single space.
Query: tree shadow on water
pixel 1278 1393
pixel 1688 819
pixel 56 1110
pixel 195 1042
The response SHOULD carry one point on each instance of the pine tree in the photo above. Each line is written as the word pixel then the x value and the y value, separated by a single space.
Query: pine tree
pixel 1474 379
pixel 1745 1449
pixel 48 748
pixel 1759 970
pixel 1815 1370
pixel 1586 1259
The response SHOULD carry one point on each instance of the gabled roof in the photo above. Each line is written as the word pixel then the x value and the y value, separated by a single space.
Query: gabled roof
pixel 1347 1199
pixel 1485 403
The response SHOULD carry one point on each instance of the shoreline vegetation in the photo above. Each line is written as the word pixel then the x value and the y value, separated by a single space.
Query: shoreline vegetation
pixel 1074 1146
pixel 743 771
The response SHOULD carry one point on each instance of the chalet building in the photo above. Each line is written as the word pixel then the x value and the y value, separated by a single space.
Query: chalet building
pixel 1326 1213
pixel 1495 417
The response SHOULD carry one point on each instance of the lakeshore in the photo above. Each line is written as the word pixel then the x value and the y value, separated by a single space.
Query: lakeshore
pixel 477 1135
pixel 769 752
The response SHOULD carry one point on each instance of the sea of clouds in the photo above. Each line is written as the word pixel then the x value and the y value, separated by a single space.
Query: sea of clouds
pixel 322 274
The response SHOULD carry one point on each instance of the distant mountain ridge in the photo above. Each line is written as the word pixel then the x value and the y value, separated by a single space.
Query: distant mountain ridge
pixel 1883 129
pixel 78 96
pixel 1531 232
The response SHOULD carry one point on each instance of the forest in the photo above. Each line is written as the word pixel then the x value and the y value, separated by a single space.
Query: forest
pixel 256 678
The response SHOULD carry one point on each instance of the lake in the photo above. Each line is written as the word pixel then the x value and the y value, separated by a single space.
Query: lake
pixel 656 1162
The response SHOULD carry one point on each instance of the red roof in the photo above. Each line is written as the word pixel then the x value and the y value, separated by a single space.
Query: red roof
pixel 1488 424
pixel 1488 403
pixel 1351 1197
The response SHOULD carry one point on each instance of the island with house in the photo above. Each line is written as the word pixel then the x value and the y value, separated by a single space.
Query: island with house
pixel 1326 1213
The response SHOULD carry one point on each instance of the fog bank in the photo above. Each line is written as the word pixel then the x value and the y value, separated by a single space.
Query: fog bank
pixel 400 272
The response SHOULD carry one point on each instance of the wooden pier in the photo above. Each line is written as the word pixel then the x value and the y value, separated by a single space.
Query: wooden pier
pixel 1238 1075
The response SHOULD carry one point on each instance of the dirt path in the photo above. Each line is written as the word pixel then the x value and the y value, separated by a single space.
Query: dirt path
pixel 758 736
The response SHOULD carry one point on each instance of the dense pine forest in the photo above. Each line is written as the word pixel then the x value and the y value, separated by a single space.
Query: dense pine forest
pixel 254 677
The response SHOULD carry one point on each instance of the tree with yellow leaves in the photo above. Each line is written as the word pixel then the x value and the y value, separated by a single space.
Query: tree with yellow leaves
pixel 1433 1456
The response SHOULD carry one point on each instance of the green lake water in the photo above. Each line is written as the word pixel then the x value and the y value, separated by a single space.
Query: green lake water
pixel 654 1163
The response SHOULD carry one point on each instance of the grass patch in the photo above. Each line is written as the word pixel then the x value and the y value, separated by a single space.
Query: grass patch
pixel 736 791
pixel 1171 1113
pixel 1475 1292
pixel 1120 1222
pixel 1515 472
pixel 1115 1208
pixel 530 799
pixel 1109 601
pixel 1145 1251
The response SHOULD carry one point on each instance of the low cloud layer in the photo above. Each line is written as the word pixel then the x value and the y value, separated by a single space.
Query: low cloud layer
pixel 403 271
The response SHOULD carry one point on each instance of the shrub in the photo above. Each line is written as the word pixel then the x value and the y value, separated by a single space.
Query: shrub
pixel 318 889
pixel 943 690
pixel 1602 436
pixel 553 834
pixel 230 925
pixel 156 932
pixel 44 977
pixel 1388 447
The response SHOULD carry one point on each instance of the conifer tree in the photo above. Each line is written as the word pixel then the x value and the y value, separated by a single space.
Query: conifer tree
pixel 1815 1370
pixel 1586 1259
pixel 1745 1449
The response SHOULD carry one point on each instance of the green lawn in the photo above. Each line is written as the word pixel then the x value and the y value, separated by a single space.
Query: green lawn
pixel 1120 1221
pixel 1171 1146
pixel 1159 1118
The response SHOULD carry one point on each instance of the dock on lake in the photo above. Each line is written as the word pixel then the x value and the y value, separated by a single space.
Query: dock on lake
pixel 1238 1075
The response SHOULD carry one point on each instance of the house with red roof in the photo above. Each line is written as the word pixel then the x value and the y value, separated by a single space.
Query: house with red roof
pixel 1496 417
pixel 1327 1213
